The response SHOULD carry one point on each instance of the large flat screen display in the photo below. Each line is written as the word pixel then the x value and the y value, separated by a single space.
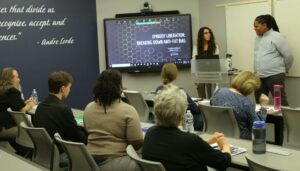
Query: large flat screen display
pixel 144 44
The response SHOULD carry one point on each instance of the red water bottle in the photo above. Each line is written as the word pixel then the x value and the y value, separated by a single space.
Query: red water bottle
pixel 277 97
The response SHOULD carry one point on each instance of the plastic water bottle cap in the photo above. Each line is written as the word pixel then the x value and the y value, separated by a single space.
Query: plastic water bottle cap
pixel 278 86
pixel 259 124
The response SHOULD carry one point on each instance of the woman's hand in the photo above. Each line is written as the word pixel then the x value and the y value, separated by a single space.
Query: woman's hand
pixel 263 100
pixel 214 138
pixel 30 102
pixel 224 145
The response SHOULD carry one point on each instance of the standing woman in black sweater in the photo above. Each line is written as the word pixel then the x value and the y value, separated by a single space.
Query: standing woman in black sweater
pixel 205 46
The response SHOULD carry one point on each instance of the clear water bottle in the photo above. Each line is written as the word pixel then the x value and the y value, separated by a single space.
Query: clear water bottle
pixel 229 62
pixel 189 121
pixel 277 97
pixel 34 96
pixel 259 137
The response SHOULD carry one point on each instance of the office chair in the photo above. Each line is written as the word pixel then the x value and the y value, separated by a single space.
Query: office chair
pixel 79 158
pixel 291 118
pixel 145 164
pixel 137 100
pixel 45 152
pixel 22 136
pixel 254 166
pixel 221 119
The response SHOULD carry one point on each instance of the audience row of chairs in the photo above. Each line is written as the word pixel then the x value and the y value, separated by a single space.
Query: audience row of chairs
pixel 218 118
pixel 42 144
pixel 223 118
pixel 136 99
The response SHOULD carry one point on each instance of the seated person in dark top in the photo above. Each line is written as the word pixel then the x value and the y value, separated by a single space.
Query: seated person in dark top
pixel 54 115
pixel 169 74
pixel 178 150
pixel 236 97
pixel 10 97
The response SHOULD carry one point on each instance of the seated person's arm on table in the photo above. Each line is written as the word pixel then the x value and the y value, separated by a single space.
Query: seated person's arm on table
pixel 263 101
pixel 218 159
pixel 221 140
pixel 16 102
pixel 29 104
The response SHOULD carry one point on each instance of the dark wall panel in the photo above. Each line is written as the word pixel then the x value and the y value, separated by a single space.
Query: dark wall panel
pixel 41 36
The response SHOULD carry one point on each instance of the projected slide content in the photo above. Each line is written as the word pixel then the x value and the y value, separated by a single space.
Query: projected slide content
pixel 139 42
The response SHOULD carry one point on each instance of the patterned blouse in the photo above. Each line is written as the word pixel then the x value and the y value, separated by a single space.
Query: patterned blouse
pixel 243 107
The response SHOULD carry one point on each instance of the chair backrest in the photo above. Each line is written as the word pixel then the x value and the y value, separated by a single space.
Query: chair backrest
pixel 291 118
pixel 221 119
pixel 22 136
pixel 254 166
pixel 79 157
pixel 137 100
pixel 145 164
pixel 45 152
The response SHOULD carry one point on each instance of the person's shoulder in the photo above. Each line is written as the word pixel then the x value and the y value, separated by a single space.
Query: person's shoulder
pixel 223 91
pixel 91 104
pixel 91 107
pixel 56 103
pixel 12 90
pixel 277 35
pixel 126 106
pixel 152 129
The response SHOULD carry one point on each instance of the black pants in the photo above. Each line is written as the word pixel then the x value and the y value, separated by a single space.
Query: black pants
pixel 267 85
pixel 202 88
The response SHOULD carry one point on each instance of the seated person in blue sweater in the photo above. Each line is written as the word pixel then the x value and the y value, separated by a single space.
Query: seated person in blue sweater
pixel 236 97
pixel 178 150
pixel 169 74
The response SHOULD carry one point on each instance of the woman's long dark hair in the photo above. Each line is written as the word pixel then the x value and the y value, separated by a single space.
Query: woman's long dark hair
pixel 108 88
pixel 269 20
pixel 200 42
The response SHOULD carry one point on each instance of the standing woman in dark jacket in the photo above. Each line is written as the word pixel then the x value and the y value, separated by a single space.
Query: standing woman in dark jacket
pixel 10 97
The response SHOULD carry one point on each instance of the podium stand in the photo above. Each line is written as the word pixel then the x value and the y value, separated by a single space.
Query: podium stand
pixel 209 71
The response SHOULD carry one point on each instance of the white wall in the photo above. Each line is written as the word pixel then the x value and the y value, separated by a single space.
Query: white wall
pixel 204 13
pixel 146 81
pixel 214 17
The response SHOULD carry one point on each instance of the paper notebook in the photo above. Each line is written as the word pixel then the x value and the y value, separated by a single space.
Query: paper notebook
pixel 233 149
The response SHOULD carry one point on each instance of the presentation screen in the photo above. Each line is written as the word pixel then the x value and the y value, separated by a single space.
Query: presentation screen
pixel 145 43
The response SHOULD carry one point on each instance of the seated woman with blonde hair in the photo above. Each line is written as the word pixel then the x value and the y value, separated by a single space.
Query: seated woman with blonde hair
pixel 11 97
pixel 178 150
pixel 236 97
pixel 169 74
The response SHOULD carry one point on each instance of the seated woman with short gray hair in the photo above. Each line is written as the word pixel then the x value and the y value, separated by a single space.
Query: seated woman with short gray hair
pixel 178 150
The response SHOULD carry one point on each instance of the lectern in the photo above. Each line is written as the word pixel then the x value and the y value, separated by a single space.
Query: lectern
pixel 209 71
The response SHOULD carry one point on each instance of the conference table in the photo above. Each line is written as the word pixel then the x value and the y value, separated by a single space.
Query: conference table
pixel 12 162
pixel 273 117
pixel 271 159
